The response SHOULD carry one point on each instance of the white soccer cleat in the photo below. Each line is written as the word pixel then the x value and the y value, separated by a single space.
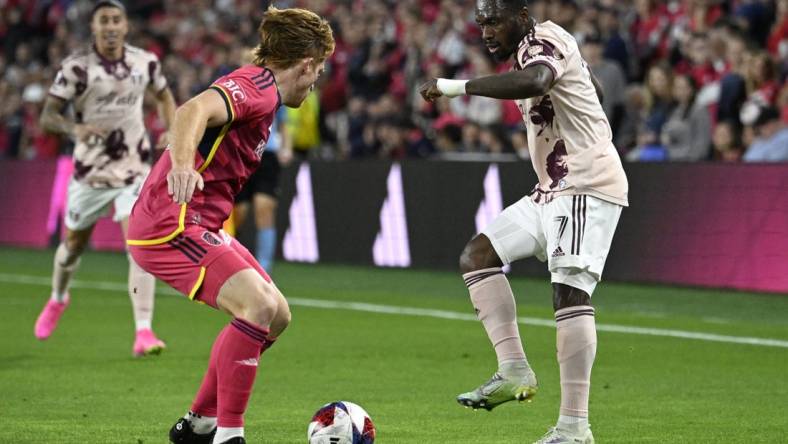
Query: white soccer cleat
pixel 557 436
pixel 499 390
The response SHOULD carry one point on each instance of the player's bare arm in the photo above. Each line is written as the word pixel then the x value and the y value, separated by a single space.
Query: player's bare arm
pixel 203 111
pixel 165 105
pixel 533 81
pixel 53 121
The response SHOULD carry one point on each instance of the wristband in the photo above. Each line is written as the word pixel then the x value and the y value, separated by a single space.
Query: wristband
pixel 452 88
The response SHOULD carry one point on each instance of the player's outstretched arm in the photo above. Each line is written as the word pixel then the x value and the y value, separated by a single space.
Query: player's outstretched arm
pixel 533 81
pixel 206 110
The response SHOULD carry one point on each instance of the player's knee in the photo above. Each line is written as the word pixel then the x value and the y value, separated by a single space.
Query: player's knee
pixel 258 305
pixel 565 296
pixel 264 307
pixel 67 254
pixel 478 254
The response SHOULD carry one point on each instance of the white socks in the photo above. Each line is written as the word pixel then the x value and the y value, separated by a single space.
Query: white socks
pixel 141 288
pixel 202 425
pixel 576 344
pixel 225 433
pixel 494 303
pixel 65 264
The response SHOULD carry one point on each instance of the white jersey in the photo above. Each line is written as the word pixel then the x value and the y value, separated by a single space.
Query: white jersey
pixel 569 137
pixel 109 95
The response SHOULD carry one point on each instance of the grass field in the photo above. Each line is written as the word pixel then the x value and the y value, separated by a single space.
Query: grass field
pixel 404 366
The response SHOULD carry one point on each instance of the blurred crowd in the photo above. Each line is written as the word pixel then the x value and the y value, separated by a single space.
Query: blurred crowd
pixel 684 80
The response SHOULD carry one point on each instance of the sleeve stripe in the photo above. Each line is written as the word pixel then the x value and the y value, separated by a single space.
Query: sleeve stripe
pixel 227 102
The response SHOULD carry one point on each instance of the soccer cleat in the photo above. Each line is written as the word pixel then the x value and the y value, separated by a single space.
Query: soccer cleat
pixel 47 320
pixel 557 436
pixel 182 433
pixel 498 390
pixel 147 344
pixel 235 440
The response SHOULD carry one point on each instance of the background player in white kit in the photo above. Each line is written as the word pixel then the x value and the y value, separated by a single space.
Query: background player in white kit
pixel 106 85
pixel 568 219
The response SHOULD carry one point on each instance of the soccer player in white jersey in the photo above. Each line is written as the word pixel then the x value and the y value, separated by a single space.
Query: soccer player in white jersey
pixel 568 219
pixel 105 85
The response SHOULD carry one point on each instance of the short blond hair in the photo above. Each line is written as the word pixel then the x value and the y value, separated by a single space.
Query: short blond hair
pixel 289 35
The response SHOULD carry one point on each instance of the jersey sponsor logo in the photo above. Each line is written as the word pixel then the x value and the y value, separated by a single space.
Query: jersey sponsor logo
pixel 235 90
pixel 211 239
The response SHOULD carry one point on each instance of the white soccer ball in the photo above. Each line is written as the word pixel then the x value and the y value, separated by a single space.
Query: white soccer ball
pixel 341 422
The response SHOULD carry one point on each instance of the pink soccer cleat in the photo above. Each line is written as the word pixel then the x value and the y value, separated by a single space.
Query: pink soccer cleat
pixel 47 320
pixel 147 344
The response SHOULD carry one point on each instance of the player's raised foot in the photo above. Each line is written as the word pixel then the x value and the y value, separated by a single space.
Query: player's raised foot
pixel 500 389
pixel 182 433
pixel 147 344
pixel 50 315
pixel 558 436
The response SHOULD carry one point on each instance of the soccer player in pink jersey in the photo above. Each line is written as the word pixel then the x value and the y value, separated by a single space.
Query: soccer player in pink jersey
pixel 568 219
pixel 175 227
pixel 105 85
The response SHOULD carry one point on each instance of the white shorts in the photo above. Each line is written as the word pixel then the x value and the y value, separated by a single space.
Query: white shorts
pixel 573 233
pixel 85 204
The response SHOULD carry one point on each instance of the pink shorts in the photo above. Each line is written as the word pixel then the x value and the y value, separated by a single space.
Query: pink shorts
pixel 197 262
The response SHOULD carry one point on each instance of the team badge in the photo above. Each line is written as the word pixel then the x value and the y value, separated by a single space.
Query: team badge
pixel 535 50
pixel 211 238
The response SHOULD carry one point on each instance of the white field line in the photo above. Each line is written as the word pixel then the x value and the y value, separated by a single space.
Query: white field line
pixel 424 312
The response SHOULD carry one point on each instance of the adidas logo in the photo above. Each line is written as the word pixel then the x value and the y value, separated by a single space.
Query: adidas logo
pixel 251 362
pixel 558 252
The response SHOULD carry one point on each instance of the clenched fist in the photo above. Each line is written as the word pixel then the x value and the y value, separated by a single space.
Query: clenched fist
pixel 429 90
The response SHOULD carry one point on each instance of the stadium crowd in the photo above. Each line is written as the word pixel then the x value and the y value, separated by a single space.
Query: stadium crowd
pixel 684 80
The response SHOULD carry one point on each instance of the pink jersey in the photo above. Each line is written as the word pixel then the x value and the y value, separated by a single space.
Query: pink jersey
pixel 569 137
pixel 226 157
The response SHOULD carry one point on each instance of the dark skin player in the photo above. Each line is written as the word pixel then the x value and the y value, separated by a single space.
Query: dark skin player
pixel 504 24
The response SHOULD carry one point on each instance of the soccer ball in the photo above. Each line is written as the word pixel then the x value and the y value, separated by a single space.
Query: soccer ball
pixel 341 422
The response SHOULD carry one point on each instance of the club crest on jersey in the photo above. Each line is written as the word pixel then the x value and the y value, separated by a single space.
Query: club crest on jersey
pixel 535 50
pixel 136 76
pixel 211 238
pixel 235 90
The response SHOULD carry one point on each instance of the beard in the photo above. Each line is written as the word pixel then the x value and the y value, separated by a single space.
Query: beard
pixel 501 56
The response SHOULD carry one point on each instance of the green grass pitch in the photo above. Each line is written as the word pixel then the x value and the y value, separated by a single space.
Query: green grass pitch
pixel 83 386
